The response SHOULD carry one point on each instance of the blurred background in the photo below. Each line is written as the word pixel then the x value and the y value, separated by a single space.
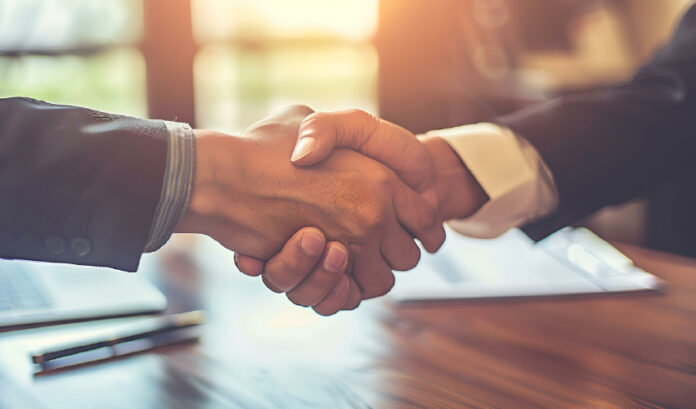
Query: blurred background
pixel 224 64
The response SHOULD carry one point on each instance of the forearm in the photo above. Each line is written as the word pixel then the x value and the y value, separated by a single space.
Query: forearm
pixel 77 185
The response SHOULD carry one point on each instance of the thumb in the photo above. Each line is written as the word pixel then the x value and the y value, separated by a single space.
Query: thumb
pixel 383 141
pixel 322 132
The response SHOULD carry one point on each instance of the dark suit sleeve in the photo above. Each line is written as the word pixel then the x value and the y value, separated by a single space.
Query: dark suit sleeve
pixel 610 146
pixel 76 185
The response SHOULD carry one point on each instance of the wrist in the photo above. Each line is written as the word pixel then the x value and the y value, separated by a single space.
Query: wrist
pixel 458 192
pixel 203 203
pixel 239 195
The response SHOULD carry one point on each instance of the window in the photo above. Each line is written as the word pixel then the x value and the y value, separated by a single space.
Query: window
pixel 252 57
pixel 256 56
pixel 79 52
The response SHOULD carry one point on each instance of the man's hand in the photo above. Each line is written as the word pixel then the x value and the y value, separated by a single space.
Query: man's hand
pixel 249 197
pixel 430 166
pixel 304 261
pixel 427 165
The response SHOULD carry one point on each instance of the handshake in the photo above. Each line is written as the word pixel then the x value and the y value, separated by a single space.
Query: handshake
pixel 323 206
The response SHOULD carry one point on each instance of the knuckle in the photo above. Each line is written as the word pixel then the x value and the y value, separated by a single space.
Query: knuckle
pixel 374 217
pixel 383 176
pixel 246 266
pixel 412 257
pixel 370 210
pixel 282 283
pixel 279 267
pixel 408 257
pixel 358 124
pixel 304 298
pixel 298 300
pixel 378 284
pixel 321 116
pixel 328 278
pixel 352 304
pixel 301 109
pixel 314 119
pixel 361 115
pixel 428 216
pixel 269 284
pixel 325 310
pixel 283 274
pixel 438 236
pixel 314 290
pixel 385 285
pixel 401 200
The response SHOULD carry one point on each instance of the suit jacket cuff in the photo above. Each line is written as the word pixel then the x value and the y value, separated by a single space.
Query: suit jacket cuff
pixel 177 184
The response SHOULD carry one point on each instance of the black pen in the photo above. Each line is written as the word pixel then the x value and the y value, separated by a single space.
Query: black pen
pixel 142 335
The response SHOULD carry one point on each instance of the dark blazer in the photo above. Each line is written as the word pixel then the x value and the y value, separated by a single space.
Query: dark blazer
pixel 610 146
pixel 76 185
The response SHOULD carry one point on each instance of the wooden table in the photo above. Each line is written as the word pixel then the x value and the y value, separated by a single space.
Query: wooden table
pixel 260 351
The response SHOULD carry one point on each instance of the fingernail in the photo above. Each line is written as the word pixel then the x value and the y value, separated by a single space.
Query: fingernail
pixel 236 261
pixel 335 257
pixel 303 148
pixel 312 243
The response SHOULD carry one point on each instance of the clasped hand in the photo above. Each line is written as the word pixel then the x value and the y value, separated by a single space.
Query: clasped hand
pixel 365 204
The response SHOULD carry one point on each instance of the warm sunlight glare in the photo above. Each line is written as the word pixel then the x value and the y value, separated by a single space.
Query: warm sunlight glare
pixel 352 19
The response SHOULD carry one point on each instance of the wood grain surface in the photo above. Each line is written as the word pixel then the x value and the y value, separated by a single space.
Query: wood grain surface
pixel 260 351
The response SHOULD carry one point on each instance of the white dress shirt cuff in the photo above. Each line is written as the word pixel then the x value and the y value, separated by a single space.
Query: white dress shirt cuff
pixel 519 185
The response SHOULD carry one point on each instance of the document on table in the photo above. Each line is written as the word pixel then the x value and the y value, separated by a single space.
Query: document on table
pixel 14 396
pixel 571 261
